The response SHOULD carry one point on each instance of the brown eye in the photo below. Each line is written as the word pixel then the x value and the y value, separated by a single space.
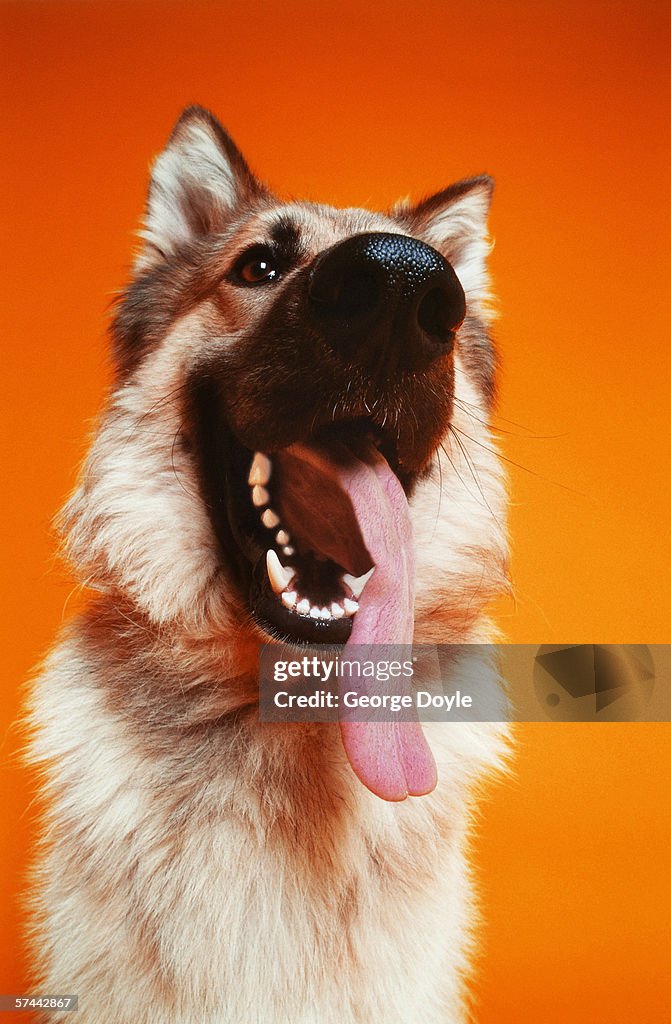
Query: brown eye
pixel 257 266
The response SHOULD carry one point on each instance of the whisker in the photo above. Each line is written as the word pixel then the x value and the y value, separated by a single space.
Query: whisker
pixel 518 465
pixel 176 438
pixel 527 435
pixel 474 474
pixel 158 404
pixel 465 485
pixel 440 492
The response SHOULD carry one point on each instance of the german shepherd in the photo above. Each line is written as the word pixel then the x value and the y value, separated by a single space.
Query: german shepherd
pixel 295 447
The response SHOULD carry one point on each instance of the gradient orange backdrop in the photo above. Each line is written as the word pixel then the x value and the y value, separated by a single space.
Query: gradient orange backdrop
pixel 567 104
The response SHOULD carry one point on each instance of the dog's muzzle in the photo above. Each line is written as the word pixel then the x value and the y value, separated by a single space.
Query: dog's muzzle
pixel 387 302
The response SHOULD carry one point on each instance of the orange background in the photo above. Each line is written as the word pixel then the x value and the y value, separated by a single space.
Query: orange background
pixel 567 104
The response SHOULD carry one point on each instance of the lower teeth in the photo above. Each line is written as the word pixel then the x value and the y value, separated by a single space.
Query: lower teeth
pixel 301 606
pixel 281 576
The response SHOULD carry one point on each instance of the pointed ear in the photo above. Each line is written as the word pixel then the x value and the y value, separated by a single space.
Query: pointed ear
pixel 454 221
pixel 196 183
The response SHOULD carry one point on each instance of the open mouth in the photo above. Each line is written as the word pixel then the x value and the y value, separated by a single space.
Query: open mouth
pixel 319 536
pixel 301 519
pixel 310 584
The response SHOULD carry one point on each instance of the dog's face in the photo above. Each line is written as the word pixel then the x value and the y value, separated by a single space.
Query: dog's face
pixel 287 375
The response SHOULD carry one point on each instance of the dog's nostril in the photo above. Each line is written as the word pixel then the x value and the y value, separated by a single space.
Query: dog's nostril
pixel 386 302
pixel 436 314
pixel 351 295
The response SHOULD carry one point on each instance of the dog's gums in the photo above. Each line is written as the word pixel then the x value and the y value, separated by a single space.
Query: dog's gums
pixel 285 580
pixel 299 533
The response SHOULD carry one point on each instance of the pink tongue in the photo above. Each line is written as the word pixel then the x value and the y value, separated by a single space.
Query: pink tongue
pixel 392 759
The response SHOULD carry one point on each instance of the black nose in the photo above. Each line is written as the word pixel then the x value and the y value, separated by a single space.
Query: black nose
pixel 386 302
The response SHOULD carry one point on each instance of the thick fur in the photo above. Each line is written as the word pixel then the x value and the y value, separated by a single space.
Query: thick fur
pixel 196 866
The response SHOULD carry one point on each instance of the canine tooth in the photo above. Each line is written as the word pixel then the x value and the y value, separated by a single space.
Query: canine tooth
pixel 289 598
pixel 337 610
pixel 260 495
pixel 280 576
pixel 350 606
pixel 289 551
pixel 282 537
pixel 315 612
pixel 261 469
pixel 303 606
pixel 270 519
pixel 324 613
pixel 357 583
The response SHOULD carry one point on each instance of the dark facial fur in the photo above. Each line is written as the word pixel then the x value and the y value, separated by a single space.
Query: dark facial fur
pixel 269 373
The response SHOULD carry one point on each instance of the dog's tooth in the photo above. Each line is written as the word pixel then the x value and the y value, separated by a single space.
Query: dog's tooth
pixel 282 538
pixel 289 551
pixel 280 576
pixel 350 607
pixel 357 583
pixel 260 495
pixel 270 519
pixel 260 470
pixel 289 598
pixel 324 613
pixel 315 612
pixel 337 610
pixel 303 606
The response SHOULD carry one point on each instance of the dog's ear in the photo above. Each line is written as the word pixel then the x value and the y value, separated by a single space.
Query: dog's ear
pixel 196 183
pixel 454 221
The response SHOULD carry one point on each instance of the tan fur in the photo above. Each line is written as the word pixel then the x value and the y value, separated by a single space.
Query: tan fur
pixel 196 866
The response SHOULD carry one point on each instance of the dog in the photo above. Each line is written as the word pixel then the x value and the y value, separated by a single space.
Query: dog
pixel 295 447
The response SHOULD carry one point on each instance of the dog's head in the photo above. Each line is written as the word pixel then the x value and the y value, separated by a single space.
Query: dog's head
pixel 300 389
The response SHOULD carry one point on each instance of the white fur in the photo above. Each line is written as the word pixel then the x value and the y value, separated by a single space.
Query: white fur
pixel 238 931
pixel 461 231
pixel 120 524
pixel 459 521
pixel 198 867
pixel 214 919
pixel 192 162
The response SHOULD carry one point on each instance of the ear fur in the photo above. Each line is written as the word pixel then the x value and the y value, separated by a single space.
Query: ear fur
pixel 196 182
pixel 454 221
